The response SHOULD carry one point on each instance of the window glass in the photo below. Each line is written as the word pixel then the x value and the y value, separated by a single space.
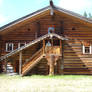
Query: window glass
pixel 21 44
pixel 87 49
pixel 9 46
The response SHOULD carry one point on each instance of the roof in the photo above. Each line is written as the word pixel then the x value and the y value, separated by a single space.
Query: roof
pixel 24 18
pixel 43 10
pixel 73 14
pixel 51 35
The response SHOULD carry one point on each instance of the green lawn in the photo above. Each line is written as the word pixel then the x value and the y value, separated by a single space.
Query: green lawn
pixel 64 83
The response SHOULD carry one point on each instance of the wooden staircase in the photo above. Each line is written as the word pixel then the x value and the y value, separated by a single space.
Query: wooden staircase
pixel 32 61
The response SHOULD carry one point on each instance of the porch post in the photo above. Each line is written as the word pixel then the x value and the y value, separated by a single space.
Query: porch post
pixel 52 42
pixel 52 45
pixel 20 63
pixel 51 65
pixel 5 66
pixel 43 46
pixel 62 60
pixel 60 47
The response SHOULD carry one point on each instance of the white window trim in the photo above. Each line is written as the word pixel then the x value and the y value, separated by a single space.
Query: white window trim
pixel 7 47
pixel 21 43
pixel 90 49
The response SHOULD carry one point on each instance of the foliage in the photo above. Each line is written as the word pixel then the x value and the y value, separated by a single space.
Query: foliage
pixel 90 16
pixel 87 15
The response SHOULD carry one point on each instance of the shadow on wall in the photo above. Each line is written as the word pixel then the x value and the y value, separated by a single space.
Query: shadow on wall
pixel 74 60
pixel 41 68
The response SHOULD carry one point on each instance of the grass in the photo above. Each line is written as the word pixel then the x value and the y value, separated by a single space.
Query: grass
pixel 37 83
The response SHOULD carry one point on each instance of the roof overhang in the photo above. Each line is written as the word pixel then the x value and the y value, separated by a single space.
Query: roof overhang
pixel 72 14
pixel 26 19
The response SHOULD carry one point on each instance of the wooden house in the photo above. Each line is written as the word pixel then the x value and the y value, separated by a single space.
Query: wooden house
pixel 50 41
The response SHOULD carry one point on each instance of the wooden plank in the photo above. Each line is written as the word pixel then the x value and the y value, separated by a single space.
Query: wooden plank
pixel 43 46
pixel 20 62
pixel 51 65
pixel 5 65
pixel 62 60
pixel 60 47
pixel 72 48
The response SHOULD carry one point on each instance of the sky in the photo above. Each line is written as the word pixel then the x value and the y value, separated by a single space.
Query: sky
pixel 11 10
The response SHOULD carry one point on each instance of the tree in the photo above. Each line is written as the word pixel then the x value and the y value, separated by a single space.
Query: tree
pixel 85 14
pixel 90 16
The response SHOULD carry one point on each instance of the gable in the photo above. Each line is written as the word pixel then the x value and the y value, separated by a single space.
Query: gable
pixel 25 20
pixel 42 13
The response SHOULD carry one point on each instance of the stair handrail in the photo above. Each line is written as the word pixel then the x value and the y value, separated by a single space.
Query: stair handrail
pixel 32 62
pixel 25 46
pixel 30 58
pixel 32 65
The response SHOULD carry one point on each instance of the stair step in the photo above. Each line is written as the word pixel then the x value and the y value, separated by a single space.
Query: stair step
pixel 32 65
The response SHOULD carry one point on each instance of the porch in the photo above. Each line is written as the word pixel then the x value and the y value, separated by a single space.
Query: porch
pixel 48 50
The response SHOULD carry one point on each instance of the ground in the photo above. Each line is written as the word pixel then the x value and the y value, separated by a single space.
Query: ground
pixel 64 83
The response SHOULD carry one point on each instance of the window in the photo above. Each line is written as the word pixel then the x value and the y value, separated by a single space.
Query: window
pixel 21 44
pixel 50 30
pixel 9 47
pixel 87 49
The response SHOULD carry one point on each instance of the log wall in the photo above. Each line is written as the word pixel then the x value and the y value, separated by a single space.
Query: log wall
pixel 74 60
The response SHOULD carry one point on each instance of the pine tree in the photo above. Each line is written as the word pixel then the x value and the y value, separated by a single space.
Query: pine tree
pixel 90 16
pixel 85 14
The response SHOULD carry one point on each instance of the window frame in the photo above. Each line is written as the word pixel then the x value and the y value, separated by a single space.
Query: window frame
pixel 21 43
pixel 90 49
pixel 7 44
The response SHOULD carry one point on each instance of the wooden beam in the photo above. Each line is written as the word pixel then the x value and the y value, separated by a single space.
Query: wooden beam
pixel 52 42
pixel 59 65
pixel 62 60
pixel 5 65
pixel 60 47
pixel 14 65
pixel 43 46
pixel 20 62
pixel 52 45
pixel 51 65
pixel 51 11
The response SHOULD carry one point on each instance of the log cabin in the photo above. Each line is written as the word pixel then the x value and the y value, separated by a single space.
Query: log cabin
pixel 50 41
